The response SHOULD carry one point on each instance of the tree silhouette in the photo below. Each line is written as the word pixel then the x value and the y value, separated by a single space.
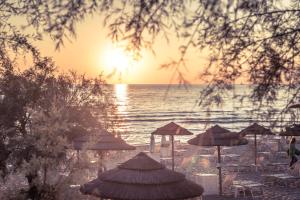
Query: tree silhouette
pixel 254 39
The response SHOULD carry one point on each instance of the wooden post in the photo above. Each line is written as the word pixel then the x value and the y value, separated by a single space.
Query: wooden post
pixel 255 150
pixel 172 138
pixel 77 156
pixel 220 171
pixel 45 174
pixel 100 163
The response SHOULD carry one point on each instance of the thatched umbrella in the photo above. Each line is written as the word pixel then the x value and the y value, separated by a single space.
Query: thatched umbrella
pixel 297 105
pixel 291 131
pixel 142 178
pixel 218 136
pixel 171 129
pixel 100 141
pixel 256 129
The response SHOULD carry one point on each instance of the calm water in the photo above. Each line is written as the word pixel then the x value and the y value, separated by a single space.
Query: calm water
pixel 143 108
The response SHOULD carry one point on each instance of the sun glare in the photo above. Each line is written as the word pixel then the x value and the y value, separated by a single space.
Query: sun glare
pixel 121 96
pixel 121 65
pixel 115 59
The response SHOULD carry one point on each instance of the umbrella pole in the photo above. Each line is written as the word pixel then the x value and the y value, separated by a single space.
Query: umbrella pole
pixel 172 138
pixel 220 170
pixel 77 156
pixel 255 150
pixel 100 162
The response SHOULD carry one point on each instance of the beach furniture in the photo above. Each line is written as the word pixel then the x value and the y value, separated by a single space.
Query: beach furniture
pixel 281 155
pixel 208 181
pixel 265 155
pixel 172 129
pixel 231 167
pixel 180 152
pixel 226 150
pixel 167 161
pixel 206 150
pixel 255 188
pixel 277 166
pixel 273 145
pixel 142 178
pixel 152 144
pixel 282 179
pixel 165 152
pixel 207 158
pixel 218 136
pixel 230 157
pixel 256 129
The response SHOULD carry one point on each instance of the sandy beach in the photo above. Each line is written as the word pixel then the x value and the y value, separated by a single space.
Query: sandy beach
pixel 193 161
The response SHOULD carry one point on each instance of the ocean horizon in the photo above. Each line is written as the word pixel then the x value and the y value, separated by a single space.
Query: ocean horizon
pixel 142 108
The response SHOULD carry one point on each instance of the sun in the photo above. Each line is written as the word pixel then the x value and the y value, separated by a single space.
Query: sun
pixel 116 59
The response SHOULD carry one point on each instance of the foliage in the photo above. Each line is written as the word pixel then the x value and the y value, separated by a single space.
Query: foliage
pixel 38 110
pixel 252 41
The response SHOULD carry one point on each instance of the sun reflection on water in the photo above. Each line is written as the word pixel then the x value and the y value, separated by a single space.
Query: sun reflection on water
pixel 121 97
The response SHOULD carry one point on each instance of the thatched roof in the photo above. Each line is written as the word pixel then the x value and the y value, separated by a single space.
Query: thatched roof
pixel 101 141
pixel 297 105
pixel 291 131
pixel 171 129
pixel 256 129
pixel 218 136
pixel 142 178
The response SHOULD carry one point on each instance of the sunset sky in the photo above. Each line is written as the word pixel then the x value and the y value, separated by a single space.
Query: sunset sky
pixel 92 52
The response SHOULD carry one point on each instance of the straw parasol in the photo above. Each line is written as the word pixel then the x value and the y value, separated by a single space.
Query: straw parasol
pixel 256 129
pixel 142 178
pixel 101 140
pixel 296 105
pixel 172 129
pixel 291 131
pixel 218 136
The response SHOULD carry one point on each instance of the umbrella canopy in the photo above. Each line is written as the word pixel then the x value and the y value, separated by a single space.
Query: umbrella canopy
pixel 218 136
pixel 142 178
pixel 171 129
pixel 291 131
pixel 297 105
pixel 256 129
pixel 101 141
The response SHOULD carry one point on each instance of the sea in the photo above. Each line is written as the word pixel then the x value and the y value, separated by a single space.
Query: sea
pixel 142 108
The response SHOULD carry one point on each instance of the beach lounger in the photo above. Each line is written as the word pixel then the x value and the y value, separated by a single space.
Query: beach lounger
pixel 278 166
pixel 280 179
pixel 255 188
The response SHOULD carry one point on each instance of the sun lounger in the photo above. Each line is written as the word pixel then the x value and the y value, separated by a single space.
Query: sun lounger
pixel 207 157
pixel 206 150
pixel 278 166
pixel 167 161
pixel 255 188
pixel 231 167
pixel 281 155
pixel 230 157
pixel 280 179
